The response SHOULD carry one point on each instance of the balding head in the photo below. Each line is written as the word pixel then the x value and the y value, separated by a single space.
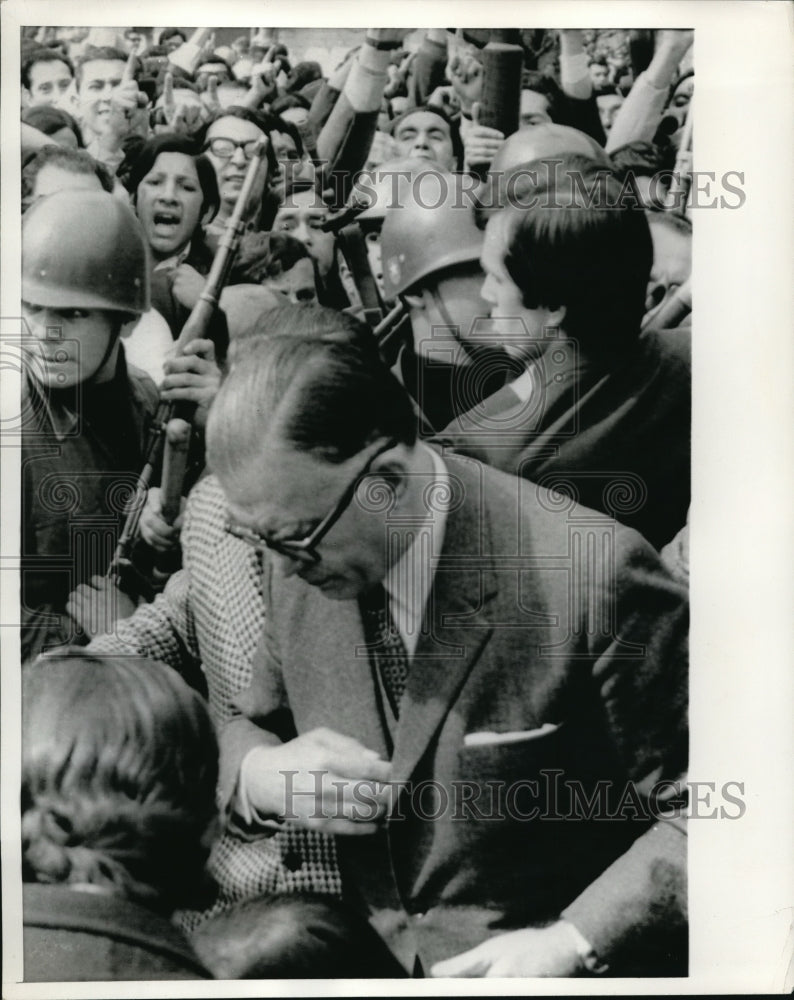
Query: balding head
pixel 547 143
pixel 544 141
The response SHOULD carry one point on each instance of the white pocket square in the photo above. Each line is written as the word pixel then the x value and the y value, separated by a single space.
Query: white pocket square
pixel 484 739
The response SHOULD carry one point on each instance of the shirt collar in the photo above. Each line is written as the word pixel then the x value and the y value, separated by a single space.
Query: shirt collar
pixel 173 262
pixel 409 580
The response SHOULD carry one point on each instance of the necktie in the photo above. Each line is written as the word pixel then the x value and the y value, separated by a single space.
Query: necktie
pixel 386 649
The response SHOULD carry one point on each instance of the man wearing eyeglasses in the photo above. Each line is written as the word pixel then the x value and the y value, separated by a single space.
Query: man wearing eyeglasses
pixel 456 665
pixel 229 142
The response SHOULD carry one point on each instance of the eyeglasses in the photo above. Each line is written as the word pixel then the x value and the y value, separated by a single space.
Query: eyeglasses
pixel 225 148
pixel 304 550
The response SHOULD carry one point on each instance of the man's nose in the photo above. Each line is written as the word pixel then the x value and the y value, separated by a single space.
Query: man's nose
pixel 303 233
pixel 45 325
pixel 420 142
pixel 238 156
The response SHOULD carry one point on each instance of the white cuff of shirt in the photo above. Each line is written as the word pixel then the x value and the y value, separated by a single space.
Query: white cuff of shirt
pixel 242 806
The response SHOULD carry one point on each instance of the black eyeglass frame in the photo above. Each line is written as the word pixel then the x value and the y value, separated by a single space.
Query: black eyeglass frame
pixel 304 549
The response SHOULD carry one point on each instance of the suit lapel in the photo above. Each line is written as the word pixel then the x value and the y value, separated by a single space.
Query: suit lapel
pixel 337 674
pixel 456 625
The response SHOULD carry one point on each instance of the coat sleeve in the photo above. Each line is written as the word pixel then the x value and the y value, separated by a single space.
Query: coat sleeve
pixel 642 678
pixel 260 715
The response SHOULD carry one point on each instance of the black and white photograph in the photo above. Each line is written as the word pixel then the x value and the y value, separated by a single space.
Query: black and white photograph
pixel 396 488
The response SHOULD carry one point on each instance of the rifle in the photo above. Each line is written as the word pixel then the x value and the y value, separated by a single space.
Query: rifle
pixel 175 458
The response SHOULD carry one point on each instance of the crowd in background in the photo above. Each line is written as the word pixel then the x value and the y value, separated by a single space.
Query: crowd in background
pixel 383 203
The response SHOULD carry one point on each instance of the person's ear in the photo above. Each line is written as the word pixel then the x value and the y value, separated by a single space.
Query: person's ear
pixel 555 317
pixel 392 467
pixel 416 302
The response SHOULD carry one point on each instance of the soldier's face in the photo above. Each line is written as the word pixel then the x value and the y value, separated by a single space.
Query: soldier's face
pixel 68 346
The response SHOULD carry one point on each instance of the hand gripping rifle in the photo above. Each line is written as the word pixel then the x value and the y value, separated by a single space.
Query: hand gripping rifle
pixel 171 423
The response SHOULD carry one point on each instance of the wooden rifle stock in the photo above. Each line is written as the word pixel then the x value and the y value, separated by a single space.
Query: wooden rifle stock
pixel 196 327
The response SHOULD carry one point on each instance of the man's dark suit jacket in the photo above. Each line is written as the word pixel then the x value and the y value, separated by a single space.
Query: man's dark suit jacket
pixel 616 437
pixel 541 614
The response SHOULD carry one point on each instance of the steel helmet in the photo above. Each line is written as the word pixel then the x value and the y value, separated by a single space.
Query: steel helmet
pixel 433 229
pixel 84 250
pixel 536 142
pixel 389 184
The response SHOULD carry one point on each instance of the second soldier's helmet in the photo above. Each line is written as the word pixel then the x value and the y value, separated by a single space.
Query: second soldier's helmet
pixel 84 250
pixel 431 230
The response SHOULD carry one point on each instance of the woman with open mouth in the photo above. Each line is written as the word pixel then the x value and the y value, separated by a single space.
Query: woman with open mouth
pixel 175 193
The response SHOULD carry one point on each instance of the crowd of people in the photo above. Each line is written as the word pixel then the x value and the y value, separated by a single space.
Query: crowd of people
pixel 355 493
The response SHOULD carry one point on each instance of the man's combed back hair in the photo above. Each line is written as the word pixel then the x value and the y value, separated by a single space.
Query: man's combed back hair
pixel 96 53
pixel 321 393
pixel 43 55
pixel 578 244
pixel 119 767
pixel 73 161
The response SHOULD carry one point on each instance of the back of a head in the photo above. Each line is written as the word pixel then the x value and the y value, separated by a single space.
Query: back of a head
pixel 432 229
pixel 49 120
pixel 317 394
pixel 544 141
pixel 119 767
pixel 575 244
pixel 537 142
pixel 76 162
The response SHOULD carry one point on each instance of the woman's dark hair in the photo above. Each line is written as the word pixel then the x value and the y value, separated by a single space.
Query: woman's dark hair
pixel 576 245
pixel 138 164
pixel 50 120
pixel 119 768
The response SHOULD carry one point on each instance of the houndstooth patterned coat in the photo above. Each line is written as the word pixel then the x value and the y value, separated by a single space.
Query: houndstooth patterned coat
pixel 210 616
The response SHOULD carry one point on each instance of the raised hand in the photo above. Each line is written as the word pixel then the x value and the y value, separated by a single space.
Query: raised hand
pixel 481 143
